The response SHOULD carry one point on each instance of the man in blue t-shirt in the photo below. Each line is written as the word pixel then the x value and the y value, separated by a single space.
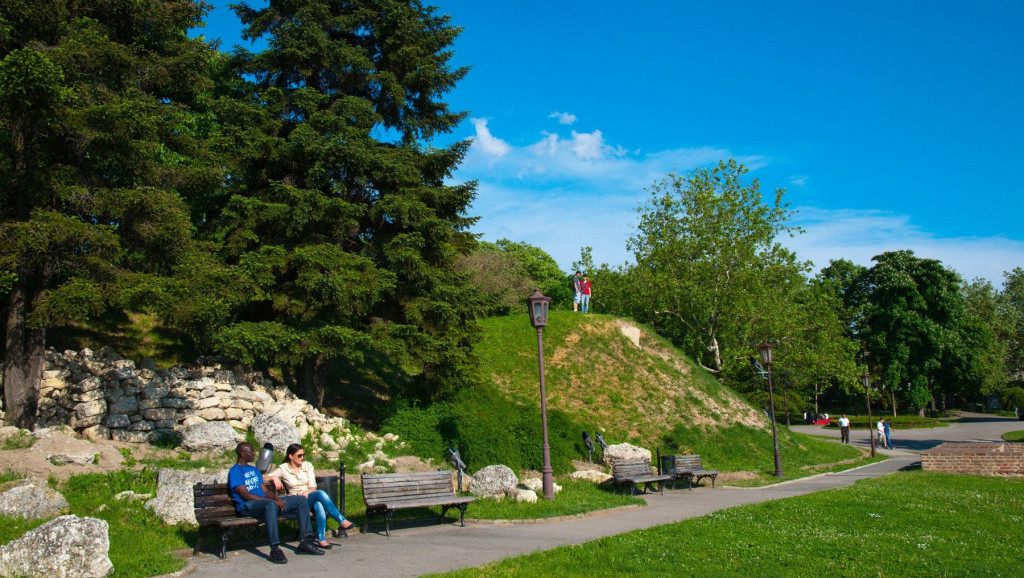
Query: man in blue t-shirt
pixel 252 501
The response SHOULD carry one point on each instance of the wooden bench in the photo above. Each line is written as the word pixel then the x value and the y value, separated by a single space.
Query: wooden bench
pixel 633 472
pixel 215 509
pixel 385 493
pixel 687 467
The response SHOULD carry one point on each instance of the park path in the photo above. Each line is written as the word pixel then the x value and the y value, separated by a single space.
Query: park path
pixel 413 550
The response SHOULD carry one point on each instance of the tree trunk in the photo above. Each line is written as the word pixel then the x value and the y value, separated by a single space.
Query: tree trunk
pixel 314 380
pixel 716 355
pixel 23 365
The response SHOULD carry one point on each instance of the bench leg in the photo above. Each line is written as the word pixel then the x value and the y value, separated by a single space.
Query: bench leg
pixel 199 540
pixel 224 544
pixel 462 514
pixel 387 522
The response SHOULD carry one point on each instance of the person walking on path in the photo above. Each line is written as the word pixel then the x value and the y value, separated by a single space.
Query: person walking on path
pixel 252 501
pixel 844 429
pixel 585 294
pixel 885 426
pixel 577 292
pixel 880 428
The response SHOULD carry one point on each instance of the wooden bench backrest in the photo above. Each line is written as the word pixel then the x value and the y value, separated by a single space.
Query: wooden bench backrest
pixel 396 487
pixel 626 469
pixel 212 502
pixel 690 462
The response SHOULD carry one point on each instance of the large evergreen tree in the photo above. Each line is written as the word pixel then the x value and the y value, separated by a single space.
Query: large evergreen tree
pixel 340 216
pixel 97 148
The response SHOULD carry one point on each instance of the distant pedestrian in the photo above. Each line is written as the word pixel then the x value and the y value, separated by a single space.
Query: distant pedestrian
pixel 577 293
pixel 585 294
pixel 880 428
pixel 888 442
pixel 844 429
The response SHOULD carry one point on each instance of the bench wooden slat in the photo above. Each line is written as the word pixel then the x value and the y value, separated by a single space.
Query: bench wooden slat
pixel 633 472
pixel 389 492
pixel 691 469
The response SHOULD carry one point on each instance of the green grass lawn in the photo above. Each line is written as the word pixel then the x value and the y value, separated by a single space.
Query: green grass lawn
pixel 906 524
pixel 1014 436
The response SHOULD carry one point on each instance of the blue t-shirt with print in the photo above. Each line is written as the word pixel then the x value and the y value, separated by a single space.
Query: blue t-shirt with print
pixel 247 476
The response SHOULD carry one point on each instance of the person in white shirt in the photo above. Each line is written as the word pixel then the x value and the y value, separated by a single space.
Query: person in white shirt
pixel 844 429
pixel 299 478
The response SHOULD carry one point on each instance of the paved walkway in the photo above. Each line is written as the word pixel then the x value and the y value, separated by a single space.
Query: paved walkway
pixel 432 547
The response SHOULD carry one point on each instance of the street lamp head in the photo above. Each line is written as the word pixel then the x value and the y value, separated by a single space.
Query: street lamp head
pixel 766 352
pixel 865 379
pixel 538 306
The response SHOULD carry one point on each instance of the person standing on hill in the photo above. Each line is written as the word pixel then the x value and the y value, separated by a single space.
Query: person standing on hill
pixel 585 294
pixel 577 292
pixel 844 429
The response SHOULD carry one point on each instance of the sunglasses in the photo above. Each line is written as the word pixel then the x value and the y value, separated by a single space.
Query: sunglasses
pixel 300 455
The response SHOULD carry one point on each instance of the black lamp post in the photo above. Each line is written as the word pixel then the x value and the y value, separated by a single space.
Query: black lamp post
pixel 538 305
pixel 865 379
pixel 766 359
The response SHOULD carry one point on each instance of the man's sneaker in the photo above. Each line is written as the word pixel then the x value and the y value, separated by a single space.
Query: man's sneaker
pixel 277 556
pixel 307 546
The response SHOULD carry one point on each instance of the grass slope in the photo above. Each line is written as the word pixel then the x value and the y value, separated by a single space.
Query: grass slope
pixel 594 373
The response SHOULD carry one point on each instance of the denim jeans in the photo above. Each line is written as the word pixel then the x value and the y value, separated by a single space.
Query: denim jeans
pixel 266 510
pixel 585 302
pixel 322 506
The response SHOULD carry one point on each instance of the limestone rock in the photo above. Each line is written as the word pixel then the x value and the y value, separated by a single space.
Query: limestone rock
pixel 593 476
pixel 30 499
pixel 537 485
pixel 493 482
pixel 65 547
pixel 272 428
pixel 174 503
pixel 525 496
pixel 619 452
pixel 209 436
pixel 167 476
pixel 74 459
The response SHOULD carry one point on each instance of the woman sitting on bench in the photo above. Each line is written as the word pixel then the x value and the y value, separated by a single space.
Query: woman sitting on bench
pixel 299 479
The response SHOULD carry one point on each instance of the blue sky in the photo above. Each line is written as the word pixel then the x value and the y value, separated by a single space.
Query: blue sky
pixel 891 125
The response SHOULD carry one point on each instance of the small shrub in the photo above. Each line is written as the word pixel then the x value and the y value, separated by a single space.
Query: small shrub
pixel 129 460
pixel 19 441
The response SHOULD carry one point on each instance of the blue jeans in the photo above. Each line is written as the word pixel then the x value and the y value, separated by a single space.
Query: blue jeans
pixel 322 506
pixel 585 302
pixel 266 510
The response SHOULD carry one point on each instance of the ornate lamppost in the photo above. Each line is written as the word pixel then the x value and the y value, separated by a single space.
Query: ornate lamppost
pixel 538 306
pixel 765 350
pixel 865 379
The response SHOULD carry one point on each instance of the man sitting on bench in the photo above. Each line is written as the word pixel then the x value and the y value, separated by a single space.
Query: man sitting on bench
pixel 251 501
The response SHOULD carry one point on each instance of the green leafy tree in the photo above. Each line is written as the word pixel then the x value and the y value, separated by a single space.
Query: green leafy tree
pixel 339 214
pixel 707 256
pixel 541 268
pixel 99 106
pixel 911 322
pixel 1011 312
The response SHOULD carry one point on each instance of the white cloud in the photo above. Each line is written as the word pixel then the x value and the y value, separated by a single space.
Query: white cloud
pixel 860 235
pixel 563 117
pixel 486 142
pixel 798 181
pixel 562 193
